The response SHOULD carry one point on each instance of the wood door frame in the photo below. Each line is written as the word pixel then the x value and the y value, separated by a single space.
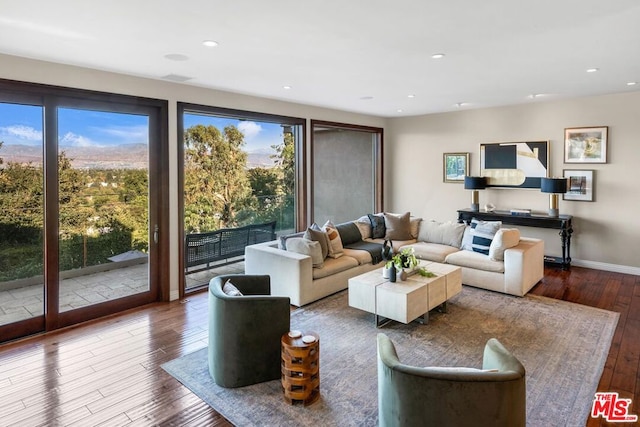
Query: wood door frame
pixel 50 98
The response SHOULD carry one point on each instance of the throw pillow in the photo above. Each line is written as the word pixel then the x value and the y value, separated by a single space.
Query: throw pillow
pixel 349 233
pixel 335 242
pixel 282 242
pixel 364 225
pixel 504 239
pixel 378 229
pixel 444 233
pixel 398 227
pixel 415 226
pixel 318 236
pixel 231 290
pixel 304 246
pixel 483 233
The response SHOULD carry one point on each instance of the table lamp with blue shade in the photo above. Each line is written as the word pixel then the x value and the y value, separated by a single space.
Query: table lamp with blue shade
pixel 553 186
pixel 475 183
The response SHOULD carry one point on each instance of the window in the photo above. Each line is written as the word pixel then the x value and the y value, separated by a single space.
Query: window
pixel 238 169
pixel 347 171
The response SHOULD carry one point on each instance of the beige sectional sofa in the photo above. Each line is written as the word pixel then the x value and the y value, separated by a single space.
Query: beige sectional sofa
pixel 513 264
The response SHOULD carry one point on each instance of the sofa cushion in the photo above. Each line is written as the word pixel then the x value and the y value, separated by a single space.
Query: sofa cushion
pixel 432 251
pixel 308 247
pixel 378 229
pixel 318 236
pixel 334 266
pixel 363 257
pixel 443 233
pixel 474 260
pixel 398 227
pixel 335 242
pixel 504 239
pixel 482 234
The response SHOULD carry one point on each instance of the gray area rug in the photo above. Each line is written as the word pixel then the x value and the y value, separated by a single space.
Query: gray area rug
pixel 562 345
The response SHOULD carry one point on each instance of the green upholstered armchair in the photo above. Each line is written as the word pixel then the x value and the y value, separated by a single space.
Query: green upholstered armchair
pixel 245 331
pixel 414 396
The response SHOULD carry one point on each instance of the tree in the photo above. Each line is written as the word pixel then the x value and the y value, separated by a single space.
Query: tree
pixel 215 180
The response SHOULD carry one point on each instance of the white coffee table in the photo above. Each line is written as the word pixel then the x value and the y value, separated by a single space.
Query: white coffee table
pixel 408 300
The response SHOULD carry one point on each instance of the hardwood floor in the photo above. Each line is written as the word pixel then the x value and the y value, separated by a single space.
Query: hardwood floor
pixel 107 372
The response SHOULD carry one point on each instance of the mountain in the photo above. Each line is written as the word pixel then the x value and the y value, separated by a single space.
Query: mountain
pixel 125 156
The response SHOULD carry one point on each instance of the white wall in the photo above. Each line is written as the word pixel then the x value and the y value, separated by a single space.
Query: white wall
pixel 606 234
pixel 27 70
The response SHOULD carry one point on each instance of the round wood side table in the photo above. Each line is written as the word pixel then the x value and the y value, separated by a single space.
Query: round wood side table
pixel 300 368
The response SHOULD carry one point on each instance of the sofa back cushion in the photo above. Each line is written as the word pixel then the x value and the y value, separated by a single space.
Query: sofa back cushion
pixel 443 233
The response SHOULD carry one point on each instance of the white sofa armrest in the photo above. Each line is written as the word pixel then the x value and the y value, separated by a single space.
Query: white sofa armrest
pixel 523 266
pixel 289 271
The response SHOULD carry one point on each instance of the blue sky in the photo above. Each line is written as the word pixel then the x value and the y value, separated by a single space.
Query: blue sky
pixel 22 124
pixel 257 135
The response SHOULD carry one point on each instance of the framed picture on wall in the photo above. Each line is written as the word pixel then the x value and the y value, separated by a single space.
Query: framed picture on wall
pixel 455 167
pixel 579 185
pixel 586 145
pixel 514 164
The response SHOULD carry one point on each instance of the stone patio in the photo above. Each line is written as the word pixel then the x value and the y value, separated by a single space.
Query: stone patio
pixel 28 301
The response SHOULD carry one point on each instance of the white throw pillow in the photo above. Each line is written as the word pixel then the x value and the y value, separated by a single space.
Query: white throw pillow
pixel 231 290
pixel 307 247
pixel 335 242
pixel 504 239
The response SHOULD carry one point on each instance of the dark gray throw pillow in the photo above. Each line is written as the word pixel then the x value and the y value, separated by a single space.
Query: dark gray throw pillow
pixel 378 229
pixel 349 233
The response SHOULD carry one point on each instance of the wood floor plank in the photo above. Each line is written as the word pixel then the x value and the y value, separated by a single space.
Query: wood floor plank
pixel 107 371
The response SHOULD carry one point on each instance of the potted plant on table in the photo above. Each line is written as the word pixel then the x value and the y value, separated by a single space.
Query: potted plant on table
pixel 406 260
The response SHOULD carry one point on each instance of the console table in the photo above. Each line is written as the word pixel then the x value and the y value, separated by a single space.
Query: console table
pixel 561 222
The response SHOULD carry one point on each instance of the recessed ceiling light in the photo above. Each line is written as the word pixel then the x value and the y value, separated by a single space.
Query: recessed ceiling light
pixel 461 104
pixel 411 96
pixel 286 87
pixel 210 43
pixel 593 70
pixel 632 83
pixel 437 56
pixel 399 110
pixel 176 57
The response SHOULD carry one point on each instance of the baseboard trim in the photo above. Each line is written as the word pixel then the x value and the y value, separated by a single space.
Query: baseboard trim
pixel 626 269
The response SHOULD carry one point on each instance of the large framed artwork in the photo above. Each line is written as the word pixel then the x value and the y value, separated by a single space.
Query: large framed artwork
pixel 455 167
pixel 580 185
pixel 514 164
pixel 586 145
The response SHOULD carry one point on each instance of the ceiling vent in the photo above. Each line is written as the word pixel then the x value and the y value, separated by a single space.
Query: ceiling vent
pixel 176 78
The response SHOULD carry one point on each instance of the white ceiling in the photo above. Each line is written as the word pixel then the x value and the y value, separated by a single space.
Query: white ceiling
pixel 364 56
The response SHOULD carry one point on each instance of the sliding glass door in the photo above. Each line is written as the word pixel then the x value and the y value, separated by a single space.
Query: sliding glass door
pixel 239 169
pixel 81 206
